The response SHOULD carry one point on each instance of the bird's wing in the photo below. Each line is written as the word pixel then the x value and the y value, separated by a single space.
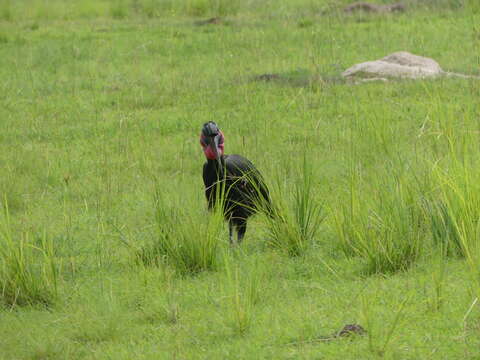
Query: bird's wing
pixel 209 182
pixel 205 175
pixel 248 176
pixel 238 166
pixel 238 162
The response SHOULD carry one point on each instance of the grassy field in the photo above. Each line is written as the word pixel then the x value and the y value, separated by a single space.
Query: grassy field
pixel 107 250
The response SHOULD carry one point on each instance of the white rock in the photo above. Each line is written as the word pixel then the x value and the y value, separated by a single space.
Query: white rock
pixel 407 59
pixel 397 65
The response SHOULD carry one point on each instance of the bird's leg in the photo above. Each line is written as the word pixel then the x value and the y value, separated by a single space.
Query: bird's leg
pixel 241 229
pixel 230 231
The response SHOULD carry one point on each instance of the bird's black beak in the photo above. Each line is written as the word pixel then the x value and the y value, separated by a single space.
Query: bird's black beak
pixel 212 140
pixel 216 140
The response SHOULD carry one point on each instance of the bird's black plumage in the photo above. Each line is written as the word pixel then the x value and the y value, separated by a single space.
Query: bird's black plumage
pixel 234 179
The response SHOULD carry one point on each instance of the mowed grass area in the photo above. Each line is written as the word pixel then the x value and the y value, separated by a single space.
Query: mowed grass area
pixel 101 105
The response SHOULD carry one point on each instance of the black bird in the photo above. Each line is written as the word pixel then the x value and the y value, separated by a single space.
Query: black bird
pixel 232 178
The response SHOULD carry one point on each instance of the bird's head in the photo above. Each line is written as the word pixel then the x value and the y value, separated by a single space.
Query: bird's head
pixel 212 140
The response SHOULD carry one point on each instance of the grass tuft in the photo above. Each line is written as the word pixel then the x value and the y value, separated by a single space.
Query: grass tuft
pixel 28 272
pixel 118 9
pixel 244 292
pixel 456 220
pixel 444 228
pixel 298 216
pixel 386 228
pixel 185 239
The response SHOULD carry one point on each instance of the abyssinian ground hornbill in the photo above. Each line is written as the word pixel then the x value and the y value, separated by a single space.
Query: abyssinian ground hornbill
pixel 234 178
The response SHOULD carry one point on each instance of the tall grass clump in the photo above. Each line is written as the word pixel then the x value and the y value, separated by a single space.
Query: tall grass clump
pixel 456 214
pixel 243 293
pixel 443 224
pixel 297 216
pixel 384 225
pixel 186 239
pixel 29 271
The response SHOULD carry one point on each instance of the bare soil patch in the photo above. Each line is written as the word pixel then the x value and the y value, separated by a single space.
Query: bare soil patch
pixel 297 78
pixel 367 7
pixel 211 21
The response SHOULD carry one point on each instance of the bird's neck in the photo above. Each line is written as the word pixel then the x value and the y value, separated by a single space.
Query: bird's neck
pixel 217 164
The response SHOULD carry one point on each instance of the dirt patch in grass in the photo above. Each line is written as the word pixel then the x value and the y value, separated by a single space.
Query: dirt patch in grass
pixel 347 331
pixel 211 21
pixel 362 6
pixel 297 78
pixel 267 77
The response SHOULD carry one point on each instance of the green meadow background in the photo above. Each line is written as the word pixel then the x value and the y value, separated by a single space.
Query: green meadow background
pixel 107 250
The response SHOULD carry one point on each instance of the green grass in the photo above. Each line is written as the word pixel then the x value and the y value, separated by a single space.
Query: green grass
pixel 29 270
pixel 185 239
pixel 296 218
pixel 107 249
pixel 387 230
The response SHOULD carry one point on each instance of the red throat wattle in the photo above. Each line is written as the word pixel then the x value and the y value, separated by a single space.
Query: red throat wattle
pixel 208 149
